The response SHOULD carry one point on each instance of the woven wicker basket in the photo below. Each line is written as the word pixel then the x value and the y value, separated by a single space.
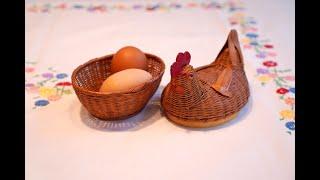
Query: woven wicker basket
pixel 210 95
pixel 87 79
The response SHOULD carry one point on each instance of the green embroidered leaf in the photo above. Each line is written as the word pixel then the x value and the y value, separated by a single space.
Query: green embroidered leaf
pixel 264 40
pixel 28 62
pixel 257 50
pixel 281 79
pixel 278 83
pixel 286 70
pixel 68 91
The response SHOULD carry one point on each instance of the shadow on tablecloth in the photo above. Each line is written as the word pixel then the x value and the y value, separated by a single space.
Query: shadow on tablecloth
pixel 146 117
pixel 151 113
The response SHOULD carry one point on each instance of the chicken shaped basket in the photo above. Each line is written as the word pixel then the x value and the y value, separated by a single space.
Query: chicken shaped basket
pixel 210 95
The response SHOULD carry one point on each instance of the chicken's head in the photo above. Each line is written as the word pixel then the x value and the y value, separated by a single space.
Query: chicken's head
pixel 181 72
pixel 181 65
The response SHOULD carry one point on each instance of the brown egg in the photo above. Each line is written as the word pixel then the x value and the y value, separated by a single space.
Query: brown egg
pixel 128 57
pixel 125 80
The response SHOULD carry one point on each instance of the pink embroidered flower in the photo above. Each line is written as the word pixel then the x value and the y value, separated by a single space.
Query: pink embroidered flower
pixel 247 46
pixel 272 75
pixel 289 78
pixel 29 69
pixel 270 63
pixel 61 6
pixel 32 89
pixel 233 21
pixel 28 85
pixel 191 4
pixel 252 29
pixel 290 101
pixel 282 91
pixel 272 54
pixel 54 97
pixel 33 9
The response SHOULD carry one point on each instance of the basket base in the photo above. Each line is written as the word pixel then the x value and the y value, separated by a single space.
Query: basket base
pixel 118 118
pixel 196 123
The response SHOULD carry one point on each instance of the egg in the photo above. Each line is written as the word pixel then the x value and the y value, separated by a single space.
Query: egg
pixel 125 80
pixel 128 57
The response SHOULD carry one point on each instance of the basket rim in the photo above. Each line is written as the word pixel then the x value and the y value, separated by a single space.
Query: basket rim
pixel 133 90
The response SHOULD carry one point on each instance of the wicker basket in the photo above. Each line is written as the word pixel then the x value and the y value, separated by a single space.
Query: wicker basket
pixel 210 95
pixel 87 79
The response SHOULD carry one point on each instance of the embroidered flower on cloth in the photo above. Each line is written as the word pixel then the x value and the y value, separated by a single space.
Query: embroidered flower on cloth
pixel 291 125
pixel 290 101
pixel 47 91
pixel 270 63
pixel 293 90
pixel 29 69
pixel 262 71
pixel 287 114
pixel 54 97
pixel 264 78
pixel 282 91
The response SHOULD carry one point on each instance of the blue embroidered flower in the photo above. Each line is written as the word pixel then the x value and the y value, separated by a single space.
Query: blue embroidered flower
pixel 78 6
pixel 41 103
pixel 293 90
pixel 254 43
pixel 232 9
pixel 252 22
pixel 290 125
pixel 61 75
pixel 252 35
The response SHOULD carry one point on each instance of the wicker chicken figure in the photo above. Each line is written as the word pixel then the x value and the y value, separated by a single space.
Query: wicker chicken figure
pixel 208 95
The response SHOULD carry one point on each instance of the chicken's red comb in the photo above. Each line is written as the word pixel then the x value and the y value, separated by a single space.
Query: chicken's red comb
pixel 182 59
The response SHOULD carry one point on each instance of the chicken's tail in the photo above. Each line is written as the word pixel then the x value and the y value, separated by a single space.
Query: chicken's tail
pixel 231 54
pixel 231 58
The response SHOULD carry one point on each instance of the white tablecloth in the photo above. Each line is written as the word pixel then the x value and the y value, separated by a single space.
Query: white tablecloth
pixel 64 142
